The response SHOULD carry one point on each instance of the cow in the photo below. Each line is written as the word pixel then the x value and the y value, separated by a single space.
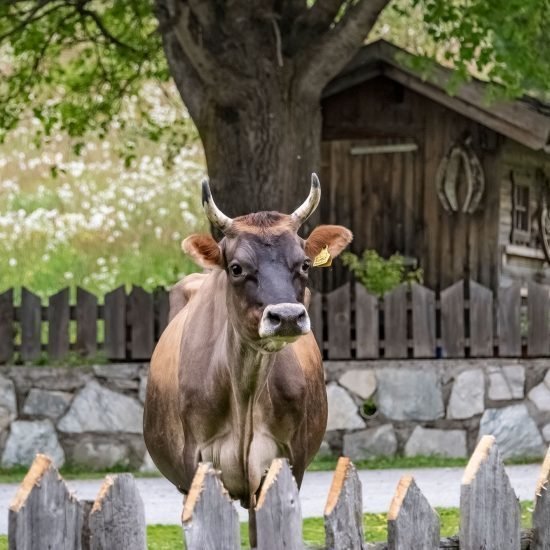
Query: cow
pixel 237 378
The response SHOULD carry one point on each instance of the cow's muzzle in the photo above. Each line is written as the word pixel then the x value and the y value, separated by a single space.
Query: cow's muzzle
pixel 284 321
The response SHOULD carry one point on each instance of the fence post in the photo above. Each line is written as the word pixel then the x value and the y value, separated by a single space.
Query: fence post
pixel 344 509
pixel 412 523
pixel 7 332
pixel 210 521
pixel 541 514
pixel 278 514
pixel 489 509
pixel 117 518
pixel 44 514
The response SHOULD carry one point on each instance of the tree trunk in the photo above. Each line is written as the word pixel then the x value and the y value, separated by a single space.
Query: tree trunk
pixel 251 75
pixel 260 156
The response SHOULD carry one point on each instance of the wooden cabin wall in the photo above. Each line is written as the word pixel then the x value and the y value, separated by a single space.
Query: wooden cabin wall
pixel 526 261
pixel 390 200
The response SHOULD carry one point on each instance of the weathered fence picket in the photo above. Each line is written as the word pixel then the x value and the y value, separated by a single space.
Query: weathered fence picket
pixel 117 517
pixel 86 322
pixel 209 518
pixel 44 514
pixel 58 324
pixel 452 320
pixel 509 321
pixel 278 513
pixel 6 326
pixel 366 324
pixel 541 513
pixel 412 523
pixel 339 323
pixel 464 319
pixel 538 308
pixel 344 509
pixel 395 323
pixel 423 321
pixel 31 322
pixel 489 510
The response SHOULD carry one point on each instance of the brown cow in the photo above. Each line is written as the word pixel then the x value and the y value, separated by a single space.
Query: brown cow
pixel 237 378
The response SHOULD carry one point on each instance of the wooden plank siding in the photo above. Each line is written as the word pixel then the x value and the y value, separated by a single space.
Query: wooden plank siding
pixel 393 198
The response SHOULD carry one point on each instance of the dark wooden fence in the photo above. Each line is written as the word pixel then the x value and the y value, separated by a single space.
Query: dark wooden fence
pixel 45 515
pixel 412 321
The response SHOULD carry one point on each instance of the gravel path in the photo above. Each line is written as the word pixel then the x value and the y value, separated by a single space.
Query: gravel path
pixel 441 486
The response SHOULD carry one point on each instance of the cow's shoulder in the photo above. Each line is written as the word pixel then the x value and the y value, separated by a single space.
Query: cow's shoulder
pixel 183 291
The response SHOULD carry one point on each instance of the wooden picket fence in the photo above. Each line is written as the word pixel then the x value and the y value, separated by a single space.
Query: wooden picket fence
pixel 45 515
pixel 412 321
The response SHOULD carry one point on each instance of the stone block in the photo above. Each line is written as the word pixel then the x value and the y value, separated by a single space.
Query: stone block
pixel 50 403
pixel 468 395
pixel 540 394
pixel 546 433
pixel 365 444
pixel 359 381
pixel 142 388
pixel 27 438
pixel 123 371
pixel 432 442
pixel 98 409
pixel 99 455
pixel 516 433
pixel 342 410
pixel 506 382
pixel 8 402
pixel 49 378
pixel 409 394
pixel 148 466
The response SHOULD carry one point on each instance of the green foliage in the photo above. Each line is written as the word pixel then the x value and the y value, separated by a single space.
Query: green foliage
pixel 505 41
pixel 82 67
pixel 377 274
pixel 75 67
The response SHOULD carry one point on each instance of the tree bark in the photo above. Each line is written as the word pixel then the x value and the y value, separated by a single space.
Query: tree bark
pixel 251 75
pixel 260 155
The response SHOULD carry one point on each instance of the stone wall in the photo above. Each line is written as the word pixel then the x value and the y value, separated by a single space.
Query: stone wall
pixel 82 415
pixel 93 415
pixel 426 407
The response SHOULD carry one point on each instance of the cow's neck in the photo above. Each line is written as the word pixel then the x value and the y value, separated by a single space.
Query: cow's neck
pixel 249 367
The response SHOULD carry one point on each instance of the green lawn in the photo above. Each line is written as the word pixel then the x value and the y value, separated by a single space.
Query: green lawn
pixel 320 464
pixel 169 537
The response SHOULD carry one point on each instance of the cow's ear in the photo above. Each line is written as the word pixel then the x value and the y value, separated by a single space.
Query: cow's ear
pixel 204 250
pixel 334 237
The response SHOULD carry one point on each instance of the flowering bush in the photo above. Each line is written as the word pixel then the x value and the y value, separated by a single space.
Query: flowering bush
pixel 94 219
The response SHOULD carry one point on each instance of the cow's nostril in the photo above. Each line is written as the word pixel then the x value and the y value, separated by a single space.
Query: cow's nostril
pixel 301 317
pixel 274 318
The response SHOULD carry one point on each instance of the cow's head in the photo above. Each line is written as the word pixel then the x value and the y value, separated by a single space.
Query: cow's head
pixel 267 266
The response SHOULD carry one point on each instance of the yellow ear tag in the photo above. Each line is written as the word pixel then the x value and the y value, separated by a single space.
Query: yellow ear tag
pixel 323 259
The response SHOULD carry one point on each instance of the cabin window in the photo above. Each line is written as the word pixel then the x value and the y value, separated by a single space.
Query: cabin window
pixel 521 215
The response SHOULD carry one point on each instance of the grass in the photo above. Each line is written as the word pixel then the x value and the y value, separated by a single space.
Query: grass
pixel 328 463
pixel 98 223
pixel 320 464
pixel 169 537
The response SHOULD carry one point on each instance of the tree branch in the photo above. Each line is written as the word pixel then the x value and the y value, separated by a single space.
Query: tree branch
pixel 103 29
pixel 326 57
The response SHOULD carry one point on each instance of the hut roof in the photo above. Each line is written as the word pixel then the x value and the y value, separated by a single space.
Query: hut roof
pixel 525 120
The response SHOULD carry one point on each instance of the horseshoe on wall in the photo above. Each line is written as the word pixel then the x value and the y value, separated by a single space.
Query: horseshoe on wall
pixel 461 155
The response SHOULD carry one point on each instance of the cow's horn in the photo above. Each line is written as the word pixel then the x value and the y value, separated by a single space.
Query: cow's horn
pixel 302 213
pixel 214 214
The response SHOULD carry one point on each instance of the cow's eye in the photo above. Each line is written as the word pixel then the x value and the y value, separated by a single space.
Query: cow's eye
pixel 306 265
pixel 236 270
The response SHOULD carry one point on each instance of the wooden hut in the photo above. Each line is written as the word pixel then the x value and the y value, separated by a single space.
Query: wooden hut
pixel 454 183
